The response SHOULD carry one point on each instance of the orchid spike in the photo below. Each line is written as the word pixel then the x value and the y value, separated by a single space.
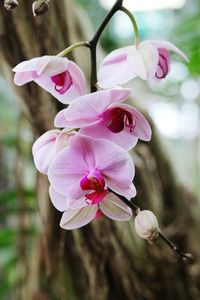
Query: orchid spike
pixel 58 75
pixel 150 61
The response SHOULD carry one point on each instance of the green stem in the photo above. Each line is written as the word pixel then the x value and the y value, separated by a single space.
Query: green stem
pixel 72 47
pixel 133 21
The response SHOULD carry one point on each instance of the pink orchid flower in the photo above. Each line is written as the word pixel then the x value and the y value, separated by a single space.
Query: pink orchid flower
pixel 58 75
pixel 150 61
pixel 88 167
pixel 101 115
pixel 79 213
pixel 47 146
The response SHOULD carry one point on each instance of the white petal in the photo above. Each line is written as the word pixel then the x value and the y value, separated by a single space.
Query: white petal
pixel 114 208
pixel 76 218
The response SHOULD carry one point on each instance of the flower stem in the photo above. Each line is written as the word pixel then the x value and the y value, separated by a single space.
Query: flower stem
pixel 133 21
pixel 72 47
pixel 136 209
pixel 93 43
pixel 184 256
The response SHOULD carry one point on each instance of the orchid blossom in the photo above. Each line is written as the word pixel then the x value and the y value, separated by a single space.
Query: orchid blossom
pixel 58 75
pixel 88 167
pixel 101 115
pixel 47 146
pixel 150 61
pixel 79 213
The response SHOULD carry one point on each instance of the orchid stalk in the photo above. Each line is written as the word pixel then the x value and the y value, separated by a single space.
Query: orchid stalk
pixel 87 182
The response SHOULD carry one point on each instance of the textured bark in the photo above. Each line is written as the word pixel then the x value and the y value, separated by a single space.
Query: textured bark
pixel 104 260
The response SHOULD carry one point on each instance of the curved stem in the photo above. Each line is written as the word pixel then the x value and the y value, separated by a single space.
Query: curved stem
pixel 72 47
pixel 93 43
pixel 133 21
pixel 184 256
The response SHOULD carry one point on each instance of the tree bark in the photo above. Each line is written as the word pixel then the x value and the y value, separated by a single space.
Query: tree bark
pixel 104 260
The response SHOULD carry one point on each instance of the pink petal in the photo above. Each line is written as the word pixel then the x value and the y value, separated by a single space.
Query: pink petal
pixel 44 150
pixel 99 130
pixel 115 69
pixel 149 56
pixel 35 67
pixel 142 128
pixel 70 165
pixel 51 65
pixel 58 200
pixel 128 191
pixel 24 77
pixel 78 203
pixel 79 82
pixel 116 166
pixel 114 208
pixel 76 218
pixel 47 146
pixel 169 46
pixel 86 110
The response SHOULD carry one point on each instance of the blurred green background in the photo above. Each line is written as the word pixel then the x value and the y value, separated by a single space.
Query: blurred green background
pixel 173 106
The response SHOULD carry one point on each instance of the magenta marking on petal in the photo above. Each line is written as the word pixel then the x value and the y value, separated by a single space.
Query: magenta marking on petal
pixel 98 214
pixel 163 68
pixel 116 60
pixel 95 197
pixel 63 82
pixel 116 118
pixel 92 181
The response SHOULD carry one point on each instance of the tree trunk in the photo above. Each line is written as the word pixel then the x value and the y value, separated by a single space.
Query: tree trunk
pixel 104 260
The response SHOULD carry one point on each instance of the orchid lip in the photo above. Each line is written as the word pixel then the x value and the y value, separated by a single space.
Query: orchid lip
pixel 94 182
pixel 63 82
pixel 162 67
pixel 116 118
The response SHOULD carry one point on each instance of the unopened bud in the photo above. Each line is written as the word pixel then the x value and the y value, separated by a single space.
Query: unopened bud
pixel 40 7
pixel 146 225
pixel 10 4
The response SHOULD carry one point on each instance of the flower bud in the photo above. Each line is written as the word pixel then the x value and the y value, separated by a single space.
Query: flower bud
pixel 40 7
pixel 146 225
pixel 10 4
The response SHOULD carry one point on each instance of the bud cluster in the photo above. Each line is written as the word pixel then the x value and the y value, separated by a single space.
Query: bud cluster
pixel 39 7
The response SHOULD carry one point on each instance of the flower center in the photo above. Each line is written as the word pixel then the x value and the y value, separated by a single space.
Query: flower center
pixel 63 82
pixel 117 118
pixel 162 69
pixel 94 182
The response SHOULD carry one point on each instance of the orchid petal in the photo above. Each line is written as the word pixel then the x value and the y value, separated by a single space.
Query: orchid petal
pixel 70 165
pixel 115 69
pixel 116 166
pixel 149 55
pixel 169 46
pixel 114 208
pixel 44 150
pixel 142 128
pixel 124 139
pixel 58 200
pixel 76 218
pixel 86 110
